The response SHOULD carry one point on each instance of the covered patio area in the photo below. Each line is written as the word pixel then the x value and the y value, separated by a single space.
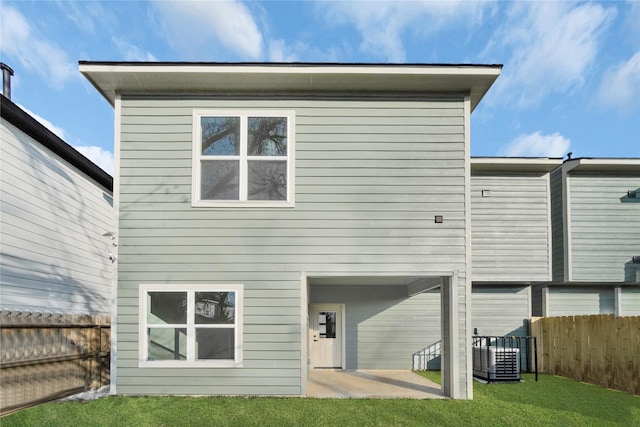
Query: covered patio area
pixel 374 384
pixel 363 330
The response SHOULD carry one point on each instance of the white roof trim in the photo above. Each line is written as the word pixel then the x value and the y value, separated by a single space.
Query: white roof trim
pixel 613 165
pixel 356 79
pixel 514 164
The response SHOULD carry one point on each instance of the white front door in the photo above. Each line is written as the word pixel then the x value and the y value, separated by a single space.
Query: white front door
pixel 325 335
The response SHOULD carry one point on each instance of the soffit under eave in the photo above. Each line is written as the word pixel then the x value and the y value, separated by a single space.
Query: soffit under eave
pixel 109 82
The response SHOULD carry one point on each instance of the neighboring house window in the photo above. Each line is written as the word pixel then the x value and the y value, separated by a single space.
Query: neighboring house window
pixel 243 158
pixel 191 325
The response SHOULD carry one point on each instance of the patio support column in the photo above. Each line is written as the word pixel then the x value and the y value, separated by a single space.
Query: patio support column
pixel 450 338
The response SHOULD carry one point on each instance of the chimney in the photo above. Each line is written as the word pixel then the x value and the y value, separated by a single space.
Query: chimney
pixel 7 72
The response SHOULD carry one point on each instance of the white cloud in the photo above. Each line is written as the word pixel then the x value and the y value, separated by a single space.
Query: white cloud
pixel 98 155
pixel 87 15
pixel 131 52
pixel 195 28
pixel 382 24
pixel 550 46
pixel 280 52
pixel 537 145
pixel 620 87
pixel 22 44
pixel 46 123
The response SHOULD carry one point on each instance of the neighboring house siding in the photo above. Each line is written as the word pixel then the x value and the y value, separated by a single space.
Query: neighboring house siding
pixel 510 228
pixel 557 226
pixel 501 310
pixel 605 227
pixel 54 257
pixel 384 326
pixel 580 300
pixel 630 301
pixel 370 177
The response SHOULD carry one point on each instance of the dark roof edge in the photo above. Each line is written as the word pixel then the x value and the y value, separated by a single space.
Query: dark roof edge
pixel 287 64
pixel 36 130
pixel 601 158
pixel 516 157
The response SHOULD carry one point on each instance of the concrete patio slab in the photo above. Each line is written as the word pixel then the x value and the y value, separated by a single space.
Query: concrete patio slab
pixel 339 384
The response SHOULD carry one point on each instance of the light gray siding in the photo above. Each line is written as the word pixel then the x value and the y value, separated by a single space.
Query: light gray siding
pixel 501 310
pixel 384 326
pixel 53 254
pixel 580 300
pixel 510 227
pixel 629 301
pixel 370 177
pixel 605 227
pixel 557 226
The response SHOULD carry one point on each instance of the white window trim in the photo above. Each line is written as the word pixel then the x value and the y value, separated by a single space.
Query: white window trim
pixel 196 174
pixel 142 324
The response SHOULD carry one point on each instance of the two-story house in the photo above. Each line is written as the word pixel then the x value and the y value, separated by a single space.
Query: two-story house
pixel 596 239
pixel 511 240
pixel 278 218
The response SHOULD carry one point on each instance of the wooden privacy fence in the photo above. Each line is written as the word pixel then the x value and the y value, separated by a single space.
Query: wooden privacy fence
pixel 44 356
pixel 599 349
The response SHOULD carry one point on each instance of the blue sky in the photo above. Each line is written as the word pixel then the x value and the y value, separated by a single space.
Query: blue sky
pixel 570 82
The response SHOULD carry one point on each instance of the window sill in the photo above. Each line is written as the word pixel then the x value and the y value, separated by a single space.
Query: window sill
pixel 242 205
pixel 185 364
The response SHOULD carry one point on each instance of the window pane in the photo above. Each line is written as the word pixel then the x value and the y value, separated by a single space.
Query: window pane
pixel 215 343
pixel 220 180
pixel 220 136
pixel 166 307
pixel 267 136
pixel 167 344
pixel 267 180
pixel 215 307
pixel 327 324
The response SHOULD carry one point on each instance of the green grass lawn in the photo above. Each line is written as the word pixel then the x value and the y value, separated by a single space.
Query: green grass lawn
pixel 553 401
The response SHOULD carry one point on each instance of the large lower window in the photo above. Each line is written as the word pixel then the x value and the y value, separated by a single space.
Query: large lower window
pixel 242 158
pixel 191 325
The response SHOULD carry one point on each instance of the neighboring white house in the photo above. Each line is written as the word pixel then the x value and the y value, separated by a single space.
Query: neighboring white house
pixel 596 239
pixel 56 221
pixel 511 240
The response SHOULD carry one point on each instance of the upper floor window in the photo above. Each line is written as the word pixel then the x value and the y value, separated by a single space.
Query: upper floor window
pixel 243 157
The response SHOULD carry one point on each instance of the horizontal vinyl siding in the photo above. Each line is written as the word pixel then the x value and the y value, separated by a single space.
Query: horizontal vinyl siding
pixel 53 254
pixel 630 301
pixel 605 228
pixel 510 229
pixel 370 177
pixel 580 300
pixel 501 310
pixel 384 327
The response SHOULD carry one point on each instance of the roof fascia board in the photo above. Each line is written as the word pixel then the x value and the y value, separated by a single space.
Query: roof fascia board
pixel 613 165
pixel 222 68
pixel 514 164
pixel 125 78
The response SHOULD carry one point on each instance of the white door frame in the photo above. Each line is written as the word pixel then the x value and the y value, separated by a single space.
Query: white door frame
pixel 343 329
